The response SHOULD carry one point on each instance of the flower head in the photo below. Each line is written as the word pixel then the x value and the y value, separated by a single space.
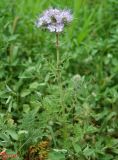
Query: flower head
pixel 54 19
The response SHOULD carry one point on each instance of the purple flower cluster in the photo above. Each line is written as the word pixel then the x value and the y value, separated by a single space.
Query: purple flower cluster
pixel 54 19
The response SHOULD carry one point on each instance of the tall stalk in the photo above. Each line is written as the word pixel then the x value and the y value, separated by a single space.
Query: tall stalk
pixel 58 76
pixel 58 59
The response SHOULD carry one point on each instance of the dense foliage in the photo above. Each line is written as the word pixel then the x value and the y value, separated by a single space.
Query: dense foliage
pixel 76 119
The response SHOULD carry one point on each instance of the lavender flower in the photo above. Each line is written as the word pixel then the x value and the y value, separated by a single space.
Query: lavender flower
pixel 54 19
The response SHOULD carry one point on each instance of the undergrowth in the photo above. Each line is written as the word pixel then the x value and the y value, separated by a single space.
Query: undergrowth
pixel 37 119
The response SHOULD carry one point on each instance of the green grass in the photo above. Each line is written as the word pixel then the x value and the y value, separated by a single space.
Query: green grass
pixel 79 119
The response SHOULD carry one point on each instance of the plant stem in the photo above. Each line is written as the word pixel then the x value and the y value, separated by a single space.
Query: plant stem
pixel 59 78
pixel 58 56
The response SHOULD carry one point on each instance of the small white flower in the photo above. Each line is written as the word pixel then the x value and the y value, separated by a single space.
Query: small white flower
pixel 59 27
pixel 51 28
pixel 66 15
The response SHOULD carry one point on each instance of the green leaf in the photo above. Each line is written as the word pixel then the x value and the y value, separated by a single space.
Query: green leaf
pixel 26 108
pixel 13 134
pixel 5 137
pixel 77 147
pixel 56 156
pixel 34 85
pixel 25 93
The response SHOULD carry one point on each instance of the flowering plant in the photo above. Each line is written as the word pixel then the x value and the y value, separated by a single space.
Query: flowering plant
pixel 54 19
